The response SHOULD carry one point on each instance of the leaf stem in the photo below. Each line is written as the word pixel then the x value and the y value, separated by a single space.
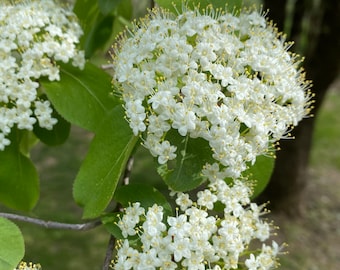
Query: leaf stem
pixel 127 172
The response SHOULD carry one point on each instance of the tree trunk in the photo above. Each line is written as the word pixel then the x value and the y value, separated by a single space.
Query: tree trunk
pixel 322 52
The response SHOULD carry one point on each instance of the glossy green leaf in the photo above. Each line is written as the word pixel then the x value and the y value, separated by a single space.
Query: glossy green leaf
pixel 57 135
pixel 146 195
pixel 87 12
pixel 12 247
pixel 184 173
pixel 99 34
pixel 107 6
pixel 104 164
pixel 26 141
pixel 110 223
pixel 123 16
pixel 125 9
pixel 84 9
pixel 101 20
pixel 19 180
pixel 82 97
pixel 261 172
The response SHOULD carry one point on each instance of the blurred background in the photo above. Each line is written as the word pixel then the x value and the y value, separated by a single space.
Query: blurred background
pixel 304 191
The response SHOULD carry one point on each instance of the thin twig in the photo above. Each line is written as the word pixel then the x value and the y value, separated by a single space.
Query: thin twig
pixel 109 253
pixel 107 66
pixel 53 224
pixel 127 172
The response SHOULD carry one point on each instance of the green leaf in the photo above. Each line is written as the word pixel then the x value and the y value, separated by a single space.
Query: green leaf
pixel 58 135
pixel 107 6
pixel 125 9
pixel 110 223
pixel 12 247
pixel 146 195
pixel 87 12
pixel 19 180
pixel 99 34
pixel 101 20
pixel 185 173
pixel 104 164
pixel 261 172
pixel 124 15
pixel 27 140
pixel 169 4
pixel 84 9
pixel 82 97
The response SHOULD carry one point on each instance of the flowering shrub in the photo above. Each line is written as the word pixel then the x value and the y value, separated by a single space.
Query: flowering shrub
pixel 208 92
pixel 34 37
pixel 226 78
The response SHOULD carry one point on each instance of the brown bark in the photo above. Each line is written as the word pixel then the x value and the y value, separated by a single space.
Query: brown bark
pixel 322 62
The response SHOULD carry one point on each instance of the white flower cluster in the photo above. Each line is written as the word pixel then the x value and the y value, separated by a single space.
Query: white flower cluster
pixel 226 78
pixel 34 36
pixel 195 238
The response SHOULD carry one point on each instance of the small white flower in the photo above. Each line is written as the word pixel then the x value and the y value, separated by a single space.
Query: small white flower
pixel 181 248
pixel 183 119
pixel 154 225
pixel 252 263
pixel 158 125
pixel 206 198
pixel 3 142
pixel 127 226
pixel 262 230
pixel 183 201
pixel 166 152
pixel 137 115
pixel 129 258
pixel 179 226
pixel 135 211
pixel 149 260
pixel 25 121
pixel 194 262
